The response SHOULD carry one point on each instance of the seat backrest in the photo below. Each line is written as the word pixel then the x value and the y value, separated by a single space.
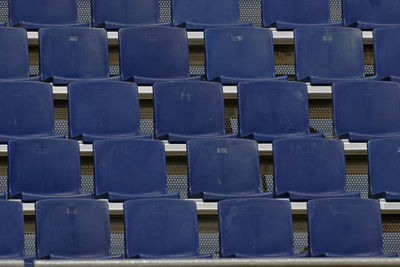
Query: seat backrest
pixel 295 11
pixel 205 11
pixel 223 166
pixel 273 107
pixel 73 52
pixel 125 11
pixel 344 227
pixel 366 107
pixel 309 166
pixel 161 228
pixel 11 229
pixel 188 108
pixel 255 227
pixel 386 52
pixel 329 52
pixel 42 11
pixel 44 166
pixel 383 165
pixel 26 108
pixel 129 166
pixel 160 52
pixel 242 52
pixel 14 58
pixel 103 108
pixel 72 228
pixel 371 12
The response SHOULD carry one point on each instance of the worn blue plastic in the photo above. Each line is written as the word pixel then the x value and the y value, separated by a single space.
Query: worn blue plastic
pixel 325 55
pixel 188 110
pixel 345 227
pixel 130 169
pixel 202 14
pixel 26 111
pixel 235 54
pixel 371 14
pixel 70 54
pixel 255 228
pixel 73 229
pixel 161 228
pixel 12 233
pixel 154 54
pixel 271 110
pixel 310 168
pixel 44 168
pixel 36 14
pixel 11 230
pixel 116 14
pixel 292 14
pixel 384 168
pixel 366 110
pixel 224 168
pixel 14 56
pixel 387 54
pixel 103 110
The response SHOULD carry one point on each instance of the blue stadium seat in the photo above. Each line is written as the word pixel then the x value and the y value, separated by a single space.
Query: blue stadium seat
pixel 310 168
pixel 255 228
pixel 384 168
pixel 44 168
pixel 154 54
pixel 202 14
pixel 325 55
pixel 12 232
pixel 387 54
pixel 366 110
pixel 116 14
pixel 188 110
pixel 70 54
pixel 224 168
pixel 36 14
pixel 272 110
pixel 236 54
pixel 161 228
pixel 26 111
pixel 73 229
pixel 130 169
pixel 371 14
pixel 14 57
pixel 103 110
pixel 292 14
pixel 345 227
